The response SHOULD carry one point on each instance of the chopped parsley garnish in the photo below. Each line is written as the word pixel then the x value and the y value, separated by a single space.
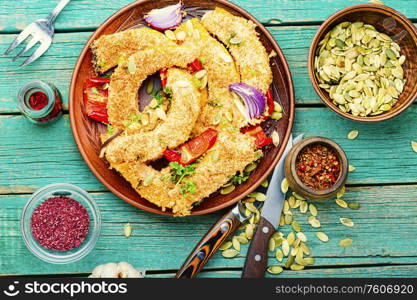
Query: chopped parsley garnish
pixel 202 60
pixel 179 171
pixel 110 129
pixel 214 103
pixel 236 179
pixel 158 97
pixel 167 91
pixel 188 188
pixel 133 118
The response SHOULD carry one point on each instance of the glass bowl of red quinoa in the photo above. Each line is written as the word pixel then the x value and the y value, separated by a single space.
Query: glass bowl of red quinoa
pixel 60 223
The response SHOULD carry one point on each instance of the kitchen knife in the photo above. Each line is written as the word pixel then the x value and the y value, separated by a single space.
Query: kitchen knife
pixel 257 256
pixel 213 239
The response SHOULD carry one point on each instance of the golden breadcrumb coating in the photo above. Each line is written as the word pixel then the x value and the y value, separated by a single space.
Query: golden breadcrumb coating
pixel 170 133
pixel 241 38
pixel 235 152
pixel 220 110
pixel 111 49
pixel 128 77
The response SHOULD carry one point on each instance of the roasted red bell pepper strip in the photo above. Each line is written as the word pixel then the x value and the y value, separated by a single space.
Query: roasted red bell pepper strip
pixel 195 66
pixel 95 98
pixel 261 139
pixel 193 149
pixel 163 75
pixel 270 102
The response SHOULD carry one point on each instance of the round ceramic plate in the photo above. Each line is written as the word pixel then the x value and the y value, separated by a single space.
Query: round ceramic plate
pixel 86 131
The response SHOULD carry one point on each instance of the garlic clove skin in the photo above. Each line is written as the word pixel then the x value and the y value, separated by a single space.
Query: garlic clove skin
pixel 113 270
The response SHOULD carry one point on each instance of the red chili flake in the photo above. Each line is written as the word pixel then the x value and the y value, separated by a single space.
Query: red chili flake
pixel 38 100
pixel 318 166
pixel 60 223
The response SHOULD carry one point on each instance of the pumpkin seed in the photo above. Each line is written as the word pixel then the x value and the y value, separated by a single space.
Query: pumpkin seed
pixel 341 192
pixel 345 242
pixel 149 87
pixel 227 190
pixel 249 168
pixel 308 261
pixel 271 244
pixel 249 231
pixel 277 107
pixel 291 238
pixel 315 223
pixel 303 207
pixel 299 197
pixel 322 236
pixel 279 255
pixel 230 253
pixel 288 219
pixel 148 180
pixel 289 261
pixel 352 168
pixel 353 134
pixel 296 226
pixel 302 237
pixel 264 183
pixel 258 196
pixel 251 207
pixel 276 115
pixel 305 248
pixel 296 267
pixel 342 203
pixel 354 205
pixel 284 185
pixel 313 210
pixel 170 34
pixel 275 138
pixel 236 243
pixel 128 230
pixel 414 146
pixel 275 270
pixel 347 222
pixel 285 247
pixel 225 245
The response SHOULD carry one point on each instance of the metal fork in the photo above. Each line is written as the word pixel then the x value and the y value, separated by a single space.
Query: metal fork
pixel 41 31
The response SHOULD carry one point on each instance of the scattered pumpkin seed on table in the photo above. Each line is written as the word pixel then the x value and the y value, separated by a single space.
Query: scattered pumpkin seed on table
pixel 322 236
pixel 347 222
pixel 342 203
pixel 352 168
pixel 354 205
pixel 275 269
pixel 230 253
pixel 345 242
pixel 284 186
pixel 353 134
pixel 360 68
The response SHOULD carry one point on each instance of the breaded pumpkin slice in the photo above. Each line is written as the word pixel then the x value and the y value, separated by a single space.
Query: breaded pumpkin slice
pixel 233 151
pixel 170 133
pixel 111 49
pixel 129 76
pixel 240 36
pixel 220 109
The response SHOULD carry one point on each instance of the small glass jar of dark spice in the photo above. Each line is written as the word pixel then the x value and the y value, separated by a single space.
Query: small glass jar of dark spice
pixel 316 168
pixel 40 102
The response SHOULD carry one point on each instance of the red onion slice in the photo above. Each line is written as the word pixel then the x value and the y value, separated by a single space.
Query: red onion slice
pixel 165 18
pixel 254 99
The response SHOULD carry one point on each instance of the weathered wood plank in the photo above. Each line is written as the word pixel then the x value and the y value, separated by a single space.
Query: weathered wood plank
pixel 386 219
pixel 27 163
pixel 57 64
pixel 88 14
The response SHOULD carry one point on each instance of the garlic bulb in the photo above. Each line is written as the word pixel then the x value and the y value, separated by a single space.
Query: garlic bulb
pixel 113 270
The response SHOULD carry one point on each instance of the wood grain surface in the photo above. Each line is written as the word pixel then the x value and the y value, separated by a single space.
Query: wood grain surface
pixel 385 180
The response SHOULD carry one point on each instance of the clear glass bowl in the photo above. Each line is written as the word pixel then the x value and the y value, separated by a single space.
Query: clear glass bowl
pixel 76 193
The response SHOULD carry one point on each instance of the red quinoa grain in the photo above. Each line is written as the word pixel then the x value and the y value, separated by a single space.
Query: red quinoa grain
pixel 60 223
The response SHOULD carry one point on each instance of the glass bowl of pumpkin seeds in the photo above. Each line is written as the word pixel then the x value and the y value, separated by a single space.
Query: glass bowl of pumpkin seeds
pixel 362 62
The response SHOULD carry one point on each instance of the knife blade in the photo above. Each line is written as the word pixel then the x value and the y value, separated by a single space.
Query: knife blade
pixel 257 257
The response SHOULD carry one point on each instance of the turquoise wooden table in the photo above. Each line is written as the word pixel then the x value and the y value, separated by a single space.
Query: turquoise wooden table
pixel 384 182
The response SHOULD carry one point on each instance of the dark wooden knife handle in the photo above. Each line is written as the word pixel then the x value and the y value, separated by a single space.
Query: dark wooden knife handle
pixel 208 245
pixel 257 257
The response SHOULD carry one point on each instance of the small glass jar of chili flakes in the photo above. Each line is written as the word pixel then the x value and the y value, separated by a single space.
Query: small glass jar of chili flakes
pixel 40 102
pixel 316 168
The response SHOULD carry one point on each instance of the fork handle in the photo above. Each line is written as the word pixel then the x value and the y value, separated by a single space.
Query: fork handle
pixel 54 14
